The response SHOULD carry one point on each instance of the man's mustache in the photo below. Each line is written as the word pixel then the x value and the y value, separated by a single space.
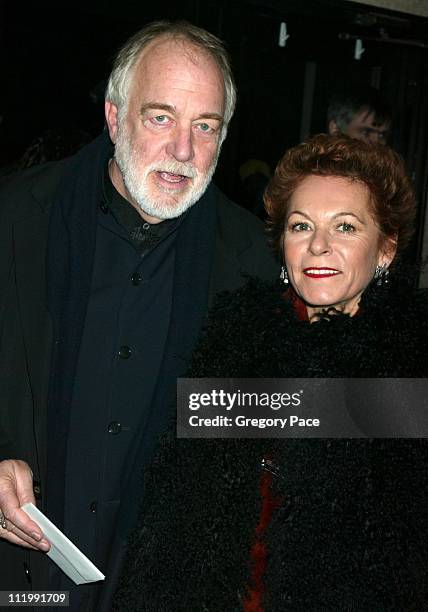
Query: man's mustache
pixel 173 167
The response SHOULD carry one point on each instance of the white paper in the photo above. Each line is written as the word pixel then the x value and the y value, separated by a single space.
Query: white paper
pixel 63 552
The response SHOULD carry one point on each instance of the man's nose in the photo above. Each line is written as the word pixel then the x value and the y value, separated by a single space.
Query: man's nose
pixel 181 144
pixel 320 242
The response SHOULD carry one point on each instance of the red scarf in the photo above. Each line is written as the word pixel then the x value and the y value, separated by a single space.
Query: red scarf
pixel 258 554
pixel 298 304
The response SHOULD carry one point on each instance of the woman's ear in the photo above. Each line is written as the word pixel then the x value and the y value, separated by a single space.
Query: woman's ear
pixel 388 251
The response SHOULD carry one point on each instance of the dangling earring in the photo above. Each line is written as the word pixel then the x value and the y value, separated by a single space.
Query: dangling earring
pixel 284 275
pixel 381 275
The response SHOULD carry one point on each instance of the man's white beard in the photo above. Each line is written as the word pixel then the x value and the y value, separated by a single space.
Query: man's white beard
pixel 137 181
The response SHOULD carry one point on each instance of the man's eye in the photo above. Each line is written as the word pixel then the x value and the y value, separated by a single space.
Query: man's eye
pixel 205 128
pixel 160 120
pixel 346 228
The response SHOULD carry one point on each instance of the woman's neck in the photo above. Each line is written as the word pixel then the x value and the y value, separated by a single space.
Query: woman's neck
pixel 315 312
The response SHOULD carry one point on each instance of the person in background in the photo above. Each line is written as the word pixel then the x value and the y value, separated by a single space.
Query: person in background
pixel 254 175
pixel 108 262
pixel 52 145
pixel 361 113
pixel 302 524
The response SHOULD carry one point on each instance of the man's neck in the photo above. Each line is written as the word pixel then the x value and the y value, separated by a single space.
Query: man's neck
pixel 117 180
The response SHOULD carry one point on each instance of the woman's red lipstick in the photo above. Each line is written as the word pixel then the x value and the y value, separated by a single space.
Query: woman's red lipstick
pixel 323 272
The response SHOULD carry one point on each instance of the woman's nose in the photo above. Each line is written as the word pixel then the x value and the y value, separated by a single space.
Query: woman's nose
pixel 320 242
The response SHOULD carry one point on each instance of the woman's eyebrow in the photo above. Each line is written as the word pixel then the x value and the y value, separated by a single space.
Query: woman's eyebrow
pixel 344 213
pixel 298 212
pixel 347 214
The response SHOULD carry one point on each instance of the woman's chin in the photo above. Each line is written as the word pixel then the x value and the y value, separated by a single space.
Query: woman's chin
pixel 320 302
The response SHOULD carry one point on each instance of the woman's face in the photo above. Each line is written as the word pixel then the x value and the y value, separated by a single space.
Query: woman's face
pixel 332 244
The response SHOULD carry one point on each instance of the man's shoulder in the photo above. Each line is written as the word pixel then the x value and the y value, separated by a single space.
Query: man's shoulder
pixel 241 235
pixel 236 218
pixel 27 191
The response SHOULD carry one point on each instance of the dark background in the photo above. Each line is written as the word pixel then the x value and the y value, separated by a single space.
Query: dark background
pixel 55 57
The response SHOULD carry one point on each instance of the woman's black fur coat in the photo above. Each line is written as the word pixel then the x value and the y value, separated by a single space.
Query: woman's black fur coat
pixel 351 533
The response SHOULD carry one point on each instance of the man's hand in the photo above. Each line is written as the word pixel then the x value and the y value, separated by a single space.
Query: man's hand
pixel 16 489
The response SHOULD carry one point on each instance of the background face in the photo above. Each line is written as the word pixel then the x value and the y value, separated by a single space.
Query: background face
pixel 331 242
pixel 168 141
pixel 364 127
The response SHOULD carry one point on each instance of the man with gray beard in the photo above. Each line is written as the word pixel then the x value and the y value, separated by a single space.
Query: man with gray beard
pixel 108 263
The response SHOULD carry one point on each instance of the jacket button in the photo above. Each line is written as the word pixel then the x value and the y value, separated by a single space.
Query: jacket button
pixel 125 352
pixel 27 572
pixel 136 279
pixel 114 427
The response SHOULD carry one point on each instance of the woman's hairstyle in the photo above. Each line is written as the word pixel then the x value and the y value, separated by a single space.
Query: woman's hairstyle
pixel 377 166
pixel 121 75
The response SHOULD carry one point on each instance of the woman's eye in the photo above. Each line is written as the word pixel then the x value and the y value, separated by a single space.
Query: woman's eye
pixel 301 226
pixel 346 228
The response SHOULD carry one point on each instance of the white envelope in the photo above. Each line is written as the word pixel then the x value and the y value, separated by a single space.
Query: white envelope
pixel 65 554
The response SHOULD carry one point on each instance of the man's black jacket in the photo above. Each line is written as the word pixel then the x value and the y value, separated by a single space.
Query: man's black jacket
pixel 26 334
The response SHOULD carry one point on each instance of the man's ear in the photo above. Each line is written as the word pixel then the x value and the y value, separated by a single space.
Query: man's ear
pixel 332 127
pixel 111 115
pixel 388 252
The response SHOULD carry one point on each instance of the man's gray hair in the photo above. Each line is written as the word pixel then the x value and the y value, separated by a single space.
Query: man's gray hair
pixel 121 74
